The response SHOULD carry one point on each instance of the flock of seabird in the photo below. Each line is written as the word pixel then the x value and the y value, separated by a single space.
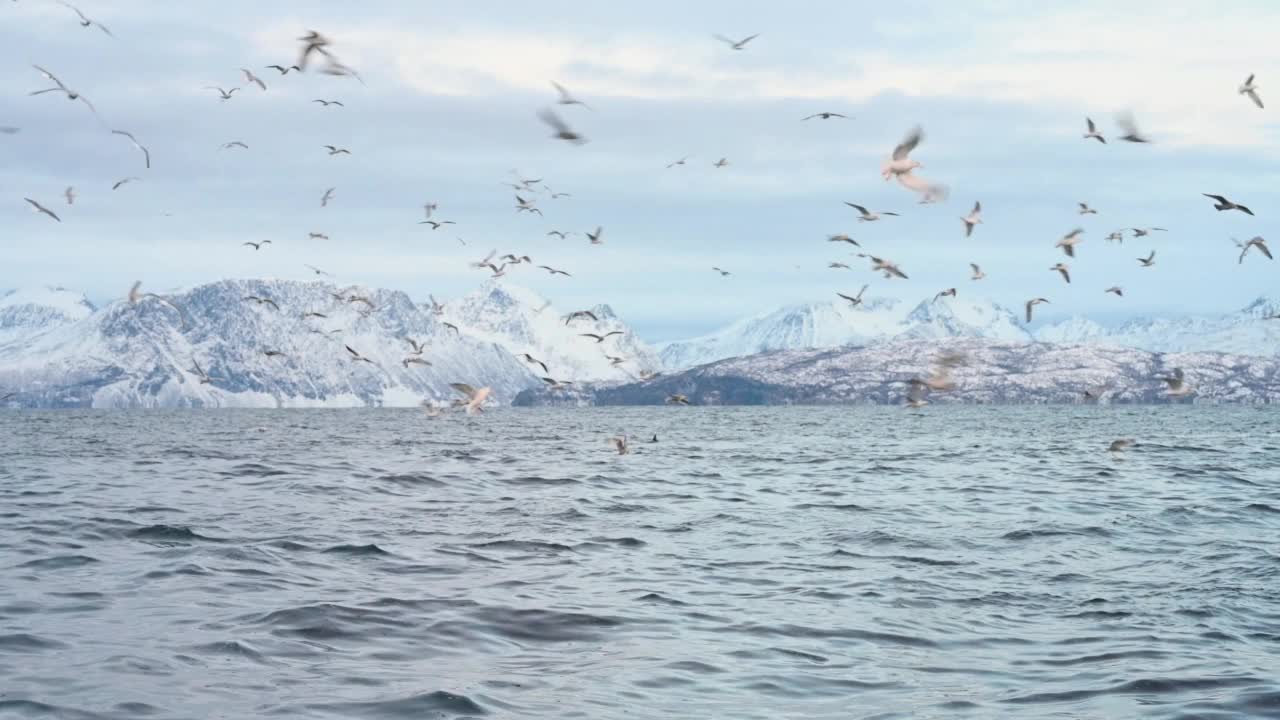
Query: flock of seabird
pixel 899 166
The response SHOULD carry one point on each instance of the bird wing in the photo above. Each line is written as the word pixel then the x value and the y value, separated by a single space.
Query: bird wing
pixel 1254 97
pixel 975 267
pixel 564 94
pixel 1219 198
pixel 908 143
pixel 857 207
pixel 1030 304
pixel 1089 123
pixel 549 117
pixel 748 39
pixel 49 76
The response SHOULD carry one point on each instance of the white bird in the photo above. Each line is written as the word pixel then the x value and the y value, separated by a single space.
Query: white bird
pixel 1149 260
pixel 42 209
pixel 844 239
pixel 889 268
pixel 256 245
pixel 899 163
pixel 1069 241
pixel 71 94
pixel 475 396
pixel 566 98
pixel 1222 203
pixel 722 162
pixel 824 116
pixel 1116 236
pixel 86 22
pixel 437 308
pixel 1031 304
pixel 595 237
pixel 1093 132
pixel 146 154
pixel 681 161
pixel 854 300
pixel 977 272
pixel 1130 127
pixel 223 94
pixel 333 150
pixel 1257 242
pixel 328 195
pixel 561 129
pixel 866 215
pixel 973 218
pixel 1143 232
pixel 234 144
pixel 1064 270
pixel 1086 210
pixel 316 270
pixel 737 44
pixel 1248 88
pixel 249 77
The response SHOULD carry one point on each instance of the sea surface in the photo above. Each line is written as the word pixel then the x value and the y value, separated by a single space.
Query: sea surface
pixel 958 562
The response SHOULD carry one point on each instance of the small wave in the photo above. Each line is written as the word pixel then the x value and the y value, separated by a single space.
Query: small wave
pixel 31 709
pixel 231 648
pixel 430 704
pixel 843 507
pixel 1142 686
pixel 170 533
pixel 410 479
pixel 657 598
pixel 27 643
pixel 356 550
pixel 530 546
pixel 60 562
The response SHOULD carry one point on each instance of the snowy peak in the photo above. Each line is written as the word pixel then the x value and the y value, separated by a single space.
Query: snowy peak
pixel 37 308
pixel 1263 308
pixel 964 317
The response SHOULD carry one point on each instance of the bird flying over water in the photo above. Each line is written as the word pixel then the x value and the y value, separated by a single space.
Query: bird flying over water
pixel 949 292
pixel 70 195
pixel 561 129
pixel 317 236
pixel 327 103
pixel 1143 232
pixel 1225 204
pixel 223 94
pixel 973 218
pixel 1064 270
pixel 889 268
pixel 534 361
pixel 554 271
pixel 899 163
pixel 580 315
pixel 282 69
pixel 234 144
pixel 737 44
pixel 357 357
pixel 146 154
pixel 1031 304
pixel 681 161
pixel 42 209
pixel 1086 210
pixel 865 215
pixel 722 162
pixel 68 92
pixel 436 224
pixel 1248 88
pixel 475 396
pixel 1092 132
pixel 677 399
pixel 328 195
pixel 1115 290
pixel 723 273
pixel 262 301
pixel 251 79
pixel 595 237
pixel 333 150
pixel 843 238
pixel 311 42
pixel 1069 241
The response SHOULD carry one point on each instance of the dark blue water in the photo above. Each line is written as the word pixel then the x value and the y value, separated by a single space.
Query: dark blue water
pixel 755 563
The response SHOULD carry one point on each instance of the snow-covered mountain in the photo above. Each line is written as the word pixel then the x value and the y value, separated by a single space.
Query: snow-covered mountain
pixel 26 310
pixel 1253 330
pixel 992 372
pixel 837 323
pixel 523 322
pixel 143 355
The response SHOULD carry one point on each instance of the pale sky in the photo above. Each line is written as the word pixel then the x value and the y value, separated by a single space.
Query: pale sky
pixel 1001 89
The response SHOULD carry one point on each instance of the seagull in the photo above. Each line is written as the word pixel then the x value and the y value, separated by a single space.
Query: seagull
pixel 1257 242
pixel 328 195
pixel 562 129
pixel 257 245
pixel 1031 304
pixel 436 225
pixel 414 361
pixel 316 270
pixel 452 327
pixel 337 150
pixel 677 399
pixel 200 372
pixel 308 315
pixel 534 361
pixel 70 195
pixel 824 116
pixel 312 42
pixel 1115 290
pixel 929 192
pixel 513 260
pixel 973 218
pixel 916 395
pixel 1094 393
pixel 1149 260
pixel 737 44
pixel 357 357
pixel 559 233
pixel 1143 232
pixel 579 314
pixel 977 272
pixel 595 238
pixel 224 94
pixel 262 301
pixel 866 215
pixel 614 360
pixel 486 262
pixel 557 195
pixel 554 385
pixel 681 161
pixel 1121 445
pixel 526 205
pixel 1178 386
pixel 1064 270
pixel 890 269
pixel 949 292
pixel 475 396
pixel 1131 134
pixel 42 209
pixel 429 208
pixel 854 300
pixel 317 236
pixel 723 273
pixel 1069 241
pixel 566 98
pixel 273 353
pixel 86 22
pixel 71 94
pixel 282 69
pixel 1093 132
pixel 234 144
pixel 620 444
pixel 417 346
pixel 249 77
pixel 838 266
pixel 123 181
pixel 722 162
pixel 146 154
pixel 498 270
pixel 843 238
pixel 600 338
pixel 327 103
pixel 899 163
pixel 554 271
pixel 1116 236
pixel 1086 210
pixel 1248 88
pixel 436 307
pixel 1225 204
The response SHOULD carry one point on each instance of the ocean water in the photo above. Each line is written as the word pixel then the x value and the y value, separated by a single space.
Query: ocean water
pixel 753 563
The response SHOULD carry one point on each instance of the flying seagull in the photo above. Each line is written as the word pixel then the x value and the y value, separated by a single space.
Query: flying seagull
pixel 562 129
pixel 311 42
pixel 681 161
pixel 1257 242
pixel 677 399
pixel 436 224
pixel 525 205
pixel 1069 241
pixel 234 144
pixel 844 239
pixel 86 22
pixel 256 245
pixel 838 266
pixel 854 300
pixel 890 269
pixel 262 301
pixel 722 162
pixel 973 218
pixel 580 314
pixel 317 236
pixel 566 98
pixel 559 233
pixel 70 195
pixel 977 272
pixel 1130 127
pixel 1248 88
pixel 824 116
pixel 249 77
pixel 600 338
pixel 224 94
pixel 328 195
pixel 475 396
pixel 1225 204
pixel 42 209
pixel 554 271
pixel 146 154
pixel 949 292
pixel 327 103
pixel 554 385
pixel 1178 386
pixel 1086 210
pixel 1116 236
pixel 737 44
pixel 1064 270
pixel 123 181
pixel 414 361
pixel 1143 232
pixel 418 347
pixel 534 361
pixel 200 372
pixel 1149 260
pixel 337 150
pixel 1031 304
pixel 357 357
pixel 437 308
pixel 1093 132
pixel 595 237
pixel 71 94
pixel 723 273
pixel 452 327
pixel 1115 290
pixel 282 69
pixel 899 163
pixel 866 215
